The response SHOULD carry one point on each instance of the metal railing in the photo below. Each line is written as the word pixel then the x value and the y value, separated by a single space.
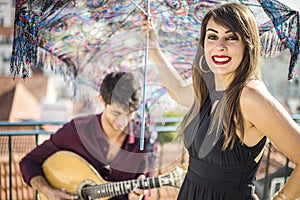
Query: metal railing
pixel 10 129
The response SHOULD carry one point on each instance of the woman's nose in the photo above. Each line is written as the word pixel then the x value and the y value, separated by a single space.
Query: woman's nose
pixel 221 45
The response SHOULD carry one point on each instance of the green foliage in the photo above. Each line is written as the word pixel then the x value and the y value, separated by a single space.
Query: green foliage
pixel 168 136
pixel 165 137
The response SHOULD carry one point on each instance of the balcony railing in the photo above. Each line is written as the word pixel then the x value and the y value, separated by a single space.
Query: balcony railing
pixel 10 130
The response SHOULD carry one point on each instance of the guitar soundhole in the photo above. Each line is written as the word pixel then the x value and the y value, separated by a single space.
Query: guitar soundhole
pixel 85 190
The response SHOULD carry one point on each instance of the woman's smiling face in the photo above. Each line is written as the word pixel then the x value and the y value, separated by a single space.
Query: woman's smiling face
pixel 224 49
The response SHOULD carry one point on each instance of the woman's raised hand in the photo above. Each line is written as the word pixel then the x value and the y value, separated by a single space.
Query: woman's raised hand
pixel 148 27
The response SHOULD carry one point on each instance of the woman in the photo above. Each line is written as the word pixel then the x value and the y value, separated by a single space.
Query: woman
pixel 232 114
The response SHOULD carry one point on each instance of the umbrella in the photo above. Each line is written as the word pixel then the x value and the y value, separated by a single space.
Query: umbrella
pixel 74 36
pixel 86 39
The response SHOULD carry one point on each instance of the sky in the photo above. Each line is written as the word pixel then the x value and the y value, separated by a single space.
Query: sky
pixel 294 4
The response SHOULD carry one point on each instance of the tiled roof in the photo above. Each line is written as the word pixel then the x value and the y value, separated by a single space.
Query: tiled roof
pixel 37 84
pixel 6 31
pixel 20 99
pixel 20 191
pixel 19 104
pixel 20 145
pixel 6 101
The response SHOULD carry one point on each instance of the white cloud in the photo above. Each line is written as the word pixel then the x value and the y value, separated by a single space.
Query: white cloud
pixel 294 4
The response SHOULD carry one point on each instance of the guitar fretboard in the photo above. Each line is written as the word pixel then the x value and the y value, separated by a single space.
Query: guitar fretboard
pixel 120 188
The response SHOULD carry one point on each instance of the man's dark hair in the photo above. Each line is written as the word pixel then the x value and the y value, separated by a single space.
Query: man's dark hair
pixel 121 88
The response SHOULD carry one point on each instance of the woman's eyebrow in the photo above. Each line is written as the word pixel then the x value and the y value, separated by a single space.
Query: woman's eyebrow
pixel 213 30
pixel 210 29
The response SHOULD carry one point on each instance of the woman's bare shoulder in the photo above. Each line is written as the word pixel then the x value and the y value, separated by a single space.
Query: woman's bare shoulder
pixel 254 90
pixel 255 96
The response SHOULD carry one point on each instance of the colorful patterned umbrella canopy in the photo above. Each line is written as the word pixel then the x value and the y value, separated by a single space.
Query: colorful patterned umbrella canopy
pixel 86 39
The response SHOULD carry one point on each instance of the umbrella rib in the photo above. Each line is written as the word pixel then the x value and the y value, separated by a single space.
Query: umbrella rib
pixel 139 7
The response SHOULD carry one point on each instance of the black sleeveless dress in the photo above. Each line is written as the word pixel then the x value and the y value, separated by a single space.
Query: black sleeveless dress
pixel 213 173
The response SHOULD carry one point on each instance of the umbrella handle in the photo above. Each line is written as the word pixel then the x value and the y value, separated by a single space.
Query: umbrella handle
pixel 143 127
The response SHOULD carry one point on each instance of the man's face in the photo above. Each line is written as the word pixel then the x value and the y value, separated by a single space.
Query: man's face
pixel 116 117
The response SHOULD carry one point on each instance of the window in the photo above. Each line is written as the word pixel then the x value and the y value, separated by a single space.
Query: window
pixel 276 184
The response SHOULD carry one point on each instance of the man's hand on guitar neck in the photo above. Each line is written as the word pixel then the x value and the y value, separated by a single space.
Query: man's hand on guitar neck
pixel 40 184
pixel 137 194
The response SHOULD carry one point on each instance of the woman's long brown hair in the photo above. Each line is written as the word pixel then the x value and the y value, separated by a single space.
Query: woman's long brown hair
pixel 239 19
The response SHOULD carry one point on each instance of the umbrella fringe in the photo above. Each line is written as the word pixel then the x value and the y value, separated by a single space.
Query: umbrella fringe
pixel 45 59
pixel 271 45
pixel 25 48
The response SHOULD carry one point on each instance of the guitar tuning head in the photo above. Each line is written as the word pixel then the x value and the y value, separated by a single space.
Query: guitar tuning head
pixel 177 176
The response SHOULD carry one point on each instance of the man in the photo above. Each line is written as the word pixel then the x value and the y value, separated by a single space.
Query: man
pixel 108 141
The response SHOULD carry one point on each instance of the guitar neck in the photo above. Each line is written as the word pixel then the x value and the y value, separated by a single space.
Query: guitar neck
pixel 123 187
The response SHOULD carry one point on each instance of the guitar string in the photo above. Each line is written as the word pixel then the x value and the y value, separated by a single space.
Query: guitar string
pixel 105 190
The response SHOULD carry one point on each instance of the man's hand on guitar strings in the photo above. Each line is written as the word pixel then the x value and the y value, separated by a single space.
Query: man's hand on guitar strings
pixel 137 194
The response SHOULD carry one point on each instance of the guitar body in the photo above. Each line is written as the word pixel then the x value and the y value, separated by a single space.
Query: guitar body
pixel 68 171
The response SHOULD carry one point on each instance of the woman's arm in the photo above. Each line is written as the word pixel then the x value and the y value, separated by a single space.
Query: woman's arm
pixel 178 88
pixel 267 115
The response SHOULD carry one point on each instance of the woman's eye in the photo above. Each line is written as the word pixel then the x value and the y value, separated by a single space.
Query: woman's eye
pixel 232 38
pixel 212 37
